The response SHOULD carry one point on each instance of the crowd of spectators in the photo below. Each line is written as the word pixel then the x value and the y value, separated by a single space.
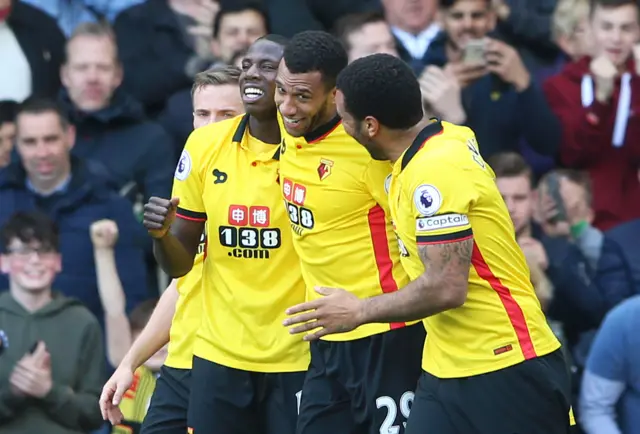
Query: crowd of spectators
pixel 95 107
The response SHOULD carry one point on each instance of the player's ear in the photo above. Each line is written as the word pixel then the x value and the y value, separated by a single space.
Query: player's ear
pixel 372 126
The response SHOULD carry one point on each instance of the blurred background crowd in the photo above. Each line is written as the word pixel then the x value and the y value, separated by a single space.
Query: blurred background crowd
pixel 95 107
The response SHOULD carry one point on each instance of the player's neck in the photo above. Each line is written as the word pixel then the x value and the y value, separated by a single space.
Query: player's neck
pixel 400 141
pixel 265 129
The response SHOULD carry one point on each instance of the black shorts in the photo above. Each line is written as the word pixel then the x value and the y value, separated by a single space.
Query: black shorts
pixel 364 386
pixel 231 401
pixel 167 413
pixel 532 397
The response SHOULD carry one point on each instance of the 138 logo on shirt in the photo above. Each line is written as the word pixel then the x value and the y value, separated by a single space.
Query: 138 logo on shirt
pixel 295 196
pixel 248 234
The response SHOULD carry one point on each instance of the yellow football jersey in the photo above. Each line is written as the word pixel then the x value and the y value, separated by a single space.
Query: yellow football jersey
pixel 186 319
pixel 337 204
pixel 251 273
pixel 443 191
pixel 135 401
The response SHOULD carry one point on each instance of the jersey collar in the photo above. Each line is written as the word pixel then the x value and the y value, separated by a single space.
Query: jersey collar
pixel 427 132
pixel 238 136
pixel 323 130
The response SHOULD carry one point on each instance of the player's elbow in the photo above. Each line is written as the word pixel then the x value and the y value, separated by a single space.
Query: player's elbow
pixel 455 295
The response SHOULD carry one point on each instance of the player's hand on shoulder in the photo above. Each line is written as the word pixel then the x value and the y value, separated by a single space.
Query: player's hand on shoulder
pixel 104 234
pixel 338 311
pixel 159 213
pixel 112 394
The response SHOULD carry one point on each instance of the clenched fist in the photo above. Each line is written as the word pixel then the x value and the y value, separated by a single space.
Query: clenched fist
pixel 104 234
pixel 159 213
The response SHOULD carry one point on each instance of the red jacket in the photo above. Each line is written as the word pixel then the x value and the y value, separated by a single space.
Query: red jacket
pixel 587 143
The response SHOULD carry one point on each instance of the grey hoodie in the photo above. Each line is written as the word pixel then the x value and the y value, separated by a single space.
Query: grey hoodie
pixel 74 339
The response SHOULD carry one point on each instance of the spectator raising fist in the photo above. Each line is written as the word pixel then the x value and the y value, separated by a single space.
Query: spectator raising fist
pixel 104 234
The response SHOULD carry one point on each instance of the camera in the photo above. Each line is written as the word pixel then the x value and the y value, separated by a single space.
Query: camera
pixel 4 343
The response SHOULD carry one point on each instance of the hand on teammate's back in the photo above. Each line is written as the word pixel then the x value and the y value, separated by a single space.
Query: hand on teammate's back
pixel 112 394
pixel 159 213
pixel 339 311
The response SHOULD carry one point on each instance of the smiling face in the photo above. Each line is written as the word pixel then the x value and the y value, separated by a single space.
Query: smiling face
pixel 258 77
pixel 615 31
pixel 32 267
pixel 303 100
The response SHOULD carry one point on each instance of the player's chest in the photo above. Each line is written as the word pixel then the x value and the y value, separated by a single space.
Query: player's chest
pixel 325 186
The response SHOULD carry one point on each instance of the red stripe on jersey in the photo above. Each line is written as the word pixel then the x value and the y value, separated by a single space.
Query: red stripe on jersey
pixel 514 311
pixel 324 136
pixel 378 229
pixel 193 219
pixel 430 137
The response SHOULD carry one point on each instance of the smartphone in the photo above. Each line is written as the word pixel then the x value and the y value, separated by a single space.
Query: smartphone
pixel 474 51
pixel 553 189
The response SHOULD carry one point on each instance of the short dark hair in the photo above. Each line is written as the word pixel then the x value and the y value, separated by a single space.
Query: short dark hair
pixel 352 23
pixel 593 4
pixel 446 4
pixel 382 86
pixel 140 315
pixel 315 50
pixel 37 106
pixel 237 6
pixel 8 111
pixel 509 165
pixel 275 38
pixel 29 227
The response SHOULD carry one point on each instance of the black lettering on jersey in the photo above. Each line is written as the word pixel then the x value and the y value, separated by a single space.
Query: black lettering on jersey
pixel 283 148
pixel 249 243
pixel 402 248
pixel 300 216
pixel 221 177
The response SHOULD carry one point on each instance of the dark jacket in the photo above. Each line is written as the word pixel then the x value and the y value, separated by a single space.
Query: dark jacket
pixel 135 151
pixel 85 200
pixel 587 143
pixel 500 116
pixel 43 44
pixel 74 340
pixel 154 52
pixel 627 236
pixel 583 293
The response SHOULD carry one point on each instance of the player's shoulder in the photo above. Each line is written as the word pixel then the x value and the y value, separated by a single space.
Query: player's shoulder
pixel 217 134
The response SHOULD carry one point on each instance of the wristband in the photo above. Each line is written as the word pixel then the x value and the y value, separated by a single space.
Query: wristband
pixel 578 229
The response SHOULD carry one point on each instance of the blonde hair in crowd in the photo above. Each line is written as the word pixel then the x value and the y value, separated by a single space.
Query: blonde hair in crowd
pixel 567 17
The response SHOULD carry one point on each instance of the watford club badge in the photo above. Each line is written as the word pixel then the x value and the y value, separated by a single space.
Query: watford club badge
pixel 324 169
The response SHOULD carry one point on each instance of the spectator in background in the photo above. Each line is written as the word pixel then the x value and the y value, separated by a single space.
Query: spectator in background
pixel 74 195
pixel 414 27
pixel 610 396
pixel 31 49
pixel 135 401
pixel 8 111
pixel 53 369
pixel 526 25
pixel 492 92
pixel 364 34
pixel 215 96
pixel 571 32
pixel 112 128
pixel 164 43
pixel 597 100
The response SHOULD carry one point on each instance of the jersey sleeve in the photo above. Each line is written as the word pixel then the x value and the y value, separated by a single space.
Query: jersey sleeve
pixel 188 183
pixel 441 196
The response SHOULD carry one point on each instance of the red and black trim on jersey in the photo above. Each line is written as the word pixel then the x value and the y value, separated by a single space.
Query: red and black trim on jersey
pixel 323 130
pixel 433 129
pixel 465 234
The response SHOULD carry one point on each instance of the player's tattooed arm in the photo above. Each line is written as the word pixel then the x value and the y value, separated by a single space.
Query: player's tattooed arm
pixel 441 287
